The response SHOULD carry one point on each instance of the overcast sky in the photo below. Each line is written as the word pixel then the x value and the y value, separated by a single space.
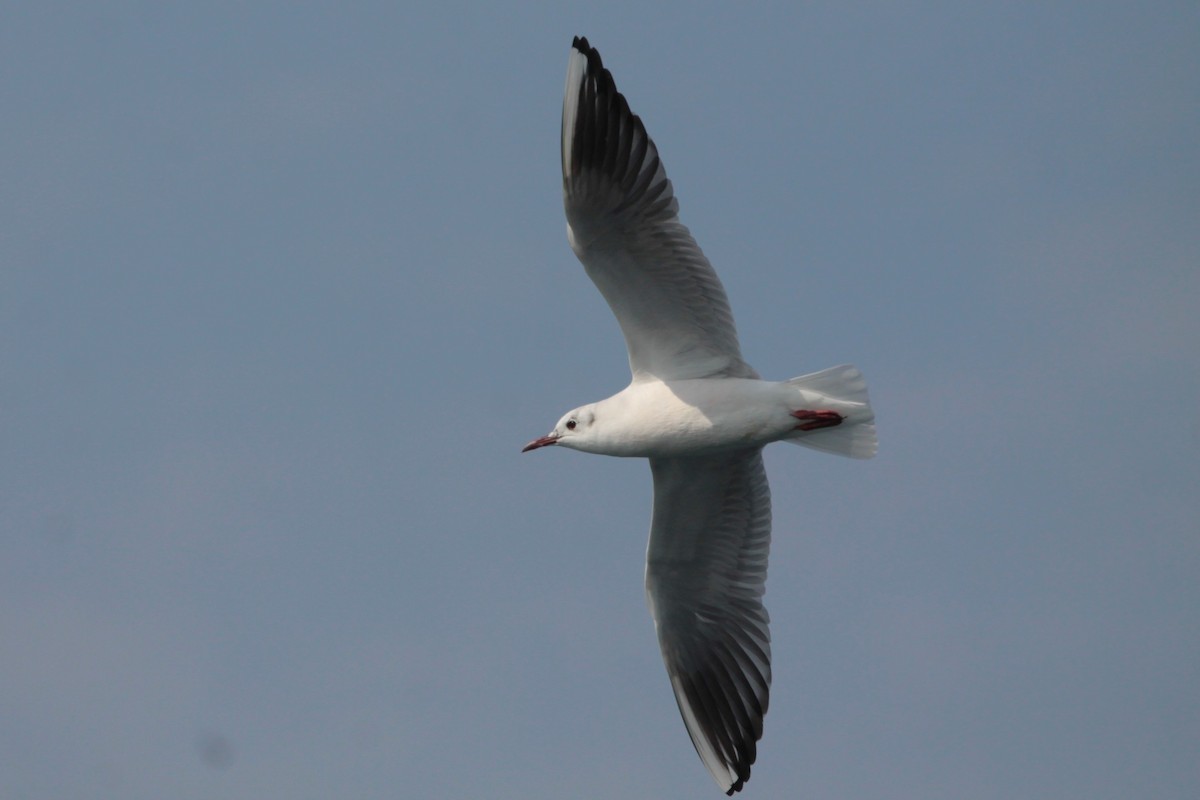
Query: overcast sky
pixel 284 288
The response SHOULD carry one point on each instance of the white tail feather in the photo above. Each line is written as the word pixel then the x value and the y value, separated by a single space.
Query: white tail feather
pixel 845 389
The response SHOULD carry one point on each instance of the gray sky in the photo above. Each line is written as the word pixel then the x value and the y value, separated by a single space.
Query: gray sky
pixel 285 287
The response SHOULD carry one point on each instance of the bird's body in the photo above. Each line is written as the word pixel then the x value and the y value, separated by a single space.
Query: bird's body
pixel 696 410
pixel 670 419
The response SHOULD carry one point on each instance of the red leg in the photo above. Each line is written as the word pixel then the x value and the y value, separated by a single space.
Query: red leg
pixel 815 420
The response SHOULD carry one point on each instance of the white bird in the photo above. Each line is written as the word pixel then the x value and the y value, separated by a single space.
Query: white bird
pixel 696 410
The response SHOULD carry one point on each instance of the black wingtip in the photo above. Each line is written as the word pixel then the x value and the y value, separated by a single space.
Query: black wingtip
pixel 595 64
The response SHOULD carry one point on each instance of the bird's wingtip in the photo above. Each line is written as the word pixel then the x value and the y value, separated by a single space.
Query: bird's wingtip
pixel 581 45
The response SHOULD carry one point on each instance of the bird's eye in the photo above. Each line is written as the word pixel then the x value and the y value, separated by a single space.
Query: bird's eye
pixel 571 424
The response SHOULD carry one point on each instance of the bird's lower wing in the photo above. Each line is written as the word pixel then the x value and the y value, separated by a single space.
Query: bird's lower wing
pixel 706 571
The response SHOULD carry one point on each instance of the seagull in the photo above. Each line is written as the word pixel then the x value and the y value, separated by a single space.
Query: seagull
pixel 696 410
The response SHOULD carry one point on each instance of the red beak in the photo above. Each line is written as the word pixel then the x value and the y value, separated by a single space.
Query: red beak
pixel 549 438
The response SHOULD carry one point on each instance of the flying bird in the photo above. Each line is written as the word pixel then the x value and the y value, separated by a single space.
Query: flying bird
pixel 696 410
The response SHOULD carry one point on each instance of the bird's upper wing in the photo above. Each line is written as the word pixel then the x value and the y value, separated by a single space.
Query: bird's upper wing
pixel 706 570
pixel 623 223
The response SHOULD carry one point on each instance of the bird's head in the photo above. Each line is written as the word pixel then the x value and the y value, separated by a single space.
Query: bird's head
pixel 575 430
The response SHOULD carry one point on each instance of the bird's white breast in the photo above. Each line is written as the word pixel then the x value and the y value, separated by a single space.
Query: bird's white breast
pixel 663 419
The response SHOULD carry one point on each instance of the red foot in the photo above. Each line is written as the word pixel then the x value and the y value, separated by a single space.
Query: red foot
pixel 815 420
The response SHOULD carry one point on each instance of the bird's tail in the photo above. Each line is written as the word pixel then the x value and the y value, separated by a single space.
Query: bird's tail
pixel 842 389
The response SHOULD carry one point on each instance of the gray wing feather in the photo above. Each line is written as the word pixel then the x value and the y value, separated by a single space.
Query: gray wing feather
pixel 706 571
pixel 623 224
